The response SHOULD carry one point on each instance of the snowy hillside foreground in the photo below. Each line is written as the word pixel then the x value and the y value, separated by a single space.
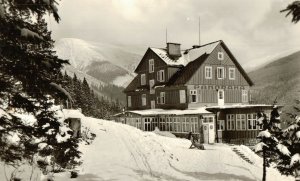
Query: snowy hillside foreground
pixel 122 152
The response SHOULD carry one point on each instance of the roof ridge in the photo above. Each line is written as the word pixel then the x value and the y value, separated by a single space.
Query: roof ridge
pixel 211 43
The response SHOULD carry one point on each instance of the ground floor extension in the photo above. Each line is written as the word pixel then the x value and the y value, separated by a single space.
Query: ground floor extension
pixel 236 124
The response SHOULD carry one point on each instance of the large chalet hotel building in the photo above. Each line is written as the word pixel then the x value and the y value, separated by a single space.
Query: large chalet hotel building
pixel 203 90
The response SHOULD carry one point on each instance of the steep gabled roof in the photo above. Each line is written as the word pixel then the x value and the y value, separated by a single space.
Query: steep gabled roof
pixel 184 75
pixel 243 72
pixel 187 56
pixel 135 86
pixel 189 62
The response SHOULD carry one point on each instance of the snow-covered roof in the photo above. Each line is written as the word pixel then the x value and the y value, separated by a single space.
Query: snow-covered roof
pixel 186 55
pixel 241 106
pixel 72 113
pixel 201 110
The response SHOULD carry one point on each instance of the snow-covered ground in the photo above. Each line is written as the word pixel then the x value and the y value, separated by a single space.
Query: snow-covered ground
pixel 122 152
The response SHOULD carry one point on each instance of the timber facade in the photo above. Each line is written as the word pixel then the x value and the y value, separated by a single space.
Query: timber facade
pixel 172 84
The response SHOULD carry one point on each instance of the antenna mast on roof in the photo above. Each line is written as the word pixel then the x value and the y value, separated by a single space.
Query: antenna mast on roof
pixel 166 35
pixel 199 33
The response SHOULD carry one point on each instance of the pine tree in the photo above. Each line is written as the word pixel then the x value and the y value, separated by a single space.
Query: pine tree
pixel 293 9
pixel 269 146
pixel 290 165
pixel 28 84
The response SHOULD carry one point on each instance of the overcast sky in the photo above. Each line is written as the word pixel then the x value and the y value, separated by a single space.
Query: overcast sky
pixel 252 29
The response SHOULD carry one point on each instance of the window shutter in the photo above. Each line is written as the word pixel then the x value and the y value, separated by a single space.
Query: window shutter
pixel 158 75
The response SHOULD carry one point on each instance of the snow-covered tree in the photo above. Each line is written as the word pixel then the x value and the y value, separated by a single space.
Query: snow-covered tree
pixel 30 129
pixel 269 146
pixel 290 165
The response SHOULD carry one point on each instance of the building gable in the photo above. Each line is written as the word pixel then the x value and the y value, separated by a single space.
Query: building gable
pixel 229 61
pixel 143 66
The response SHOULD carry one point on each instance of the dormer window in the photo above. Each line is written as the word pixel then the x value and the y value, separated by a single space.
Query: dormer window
pixel 220 73
pixel 151 65
pixel 220 56
pixel 143 79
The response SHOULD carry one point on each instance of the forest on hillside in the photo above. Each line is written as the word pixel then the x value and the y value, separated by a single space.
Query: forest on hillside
pixel 83 96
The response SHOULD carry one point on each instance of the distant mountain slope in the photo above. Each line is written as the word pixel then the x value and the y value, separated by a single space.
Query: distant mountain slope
pixel 280 79
pixel 104 62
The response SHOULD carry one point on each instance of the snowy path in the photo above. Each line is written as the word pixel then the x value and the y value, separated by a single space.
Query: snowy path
pixel 121 152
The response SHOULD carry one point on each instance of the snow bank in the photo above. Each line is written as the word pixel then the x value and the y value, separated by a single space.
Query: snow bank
pixel 254 158
pixel 72 113
pixel 163 133
pixel 122 152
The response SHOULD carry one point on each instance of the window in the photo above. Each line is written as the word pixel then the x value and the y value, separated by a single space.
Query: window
pixel 161 75
pixel 162 98
pixel 194 124
pixel 143 79
pixel 209 119
pixel 244 95
pixel 251 118
pixel 193 94
pixel 230 122
pixel 144 100
pixel 176 125
pixel 241 122
pixel 208 72
pixel 182 96
pixel 221 125
pixel 129 101
pixel 184 124
pixel 220 56
pixel 151 85
pixel 220 72
pixel 151 65
pixel 231 73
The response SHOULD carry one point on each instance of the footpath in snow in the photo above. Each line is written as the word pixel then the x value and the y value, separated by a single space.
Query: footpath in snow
pixel 122 152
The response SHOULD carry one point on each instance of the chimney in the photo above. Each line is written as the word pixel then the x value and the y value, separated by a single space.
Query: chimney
pixel 173 50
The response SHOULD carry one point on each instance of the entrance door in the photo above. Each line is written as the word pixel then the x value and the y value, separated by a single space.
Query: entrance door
pixel 221 97
pixel 209 133
pixel 152 104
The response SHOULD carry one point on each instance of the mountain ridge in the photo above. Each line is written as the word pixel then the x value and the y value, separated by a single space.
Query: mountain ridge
pixel 278 80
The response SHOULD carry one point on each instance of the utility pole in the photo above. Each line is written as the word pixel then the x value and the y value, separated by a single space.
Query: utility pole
pixel 199 33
